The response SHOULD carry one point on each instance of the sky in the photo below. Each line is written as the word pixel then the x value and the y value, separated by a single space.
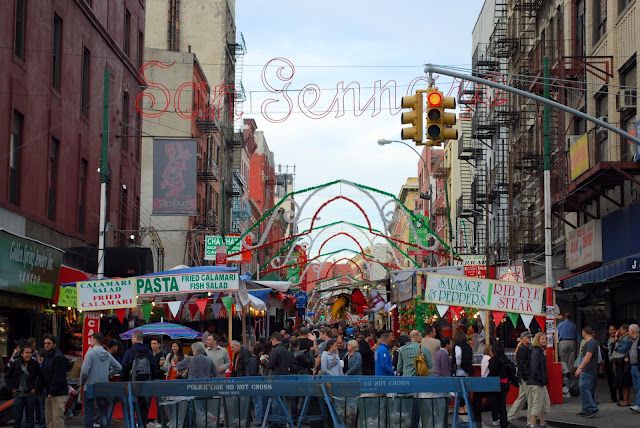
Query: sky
pixel 344 41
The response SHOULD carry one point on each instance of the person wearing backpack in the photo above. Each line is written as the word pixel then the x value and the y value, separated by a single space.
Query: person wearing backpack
pixel 138 365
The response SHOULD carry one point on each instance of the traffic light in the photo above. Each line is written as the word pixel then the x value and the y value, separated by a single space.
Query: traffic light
pixel 413 117
pixel 439 121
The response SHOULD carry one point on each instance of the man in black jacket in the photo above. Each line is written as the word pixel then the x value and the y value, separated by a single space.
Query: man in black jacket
pixel 279 359
pixel 241 358
pixel 523 355
pixel 139 351
pixel 24 379
pixel 55 387
pixel 368 362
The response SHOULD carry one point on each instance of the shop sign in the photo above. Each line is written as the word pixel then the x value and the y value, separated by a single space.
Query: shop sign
pixel 633 264
pixel 584 245
pixel 579 156
pixel 28 266
pixel 68 296
pixel 90 325
pixel 234 245
pixel 510 273
pixel 186 283
pixel 106 294
pixel 211 244
pixel 402 289
pixel 486 294
pixel 474 265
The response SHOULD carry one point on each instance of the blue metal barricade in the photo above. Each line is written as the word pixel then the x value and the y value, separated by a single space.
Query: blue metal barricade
pixel 375 401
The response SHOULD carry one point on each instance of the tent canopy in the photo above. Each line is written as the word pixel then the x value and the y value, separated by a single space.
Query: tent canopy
pixel 281 286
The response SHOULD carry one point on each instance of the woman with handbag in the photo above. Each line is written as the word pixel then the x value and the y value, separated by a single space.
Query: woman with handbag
pixel 621 366
pixel 24 379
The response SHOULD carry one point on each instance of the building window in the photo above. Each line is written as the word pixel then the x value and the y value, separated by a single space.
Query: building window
pixel 127 31
pixel 15 155
pixel 622 5
pixel 52 181
pixel 140 48
pixel 122 221
pixel 602 112
pixel 125 121
pixel 20 28
pixel 82 194
pixel 86 64
pixel 599 19
pixel 138 136
pixel 628 94
pixel 580 29
pixel 56 49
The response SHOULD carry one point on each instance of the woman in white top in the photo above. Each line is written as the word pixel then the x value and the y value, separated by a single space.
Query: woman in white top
pixel 478 398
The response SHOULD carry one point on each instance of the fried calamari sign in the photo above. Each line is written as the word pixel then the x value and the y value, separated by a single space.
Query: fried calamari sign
pixel 174 177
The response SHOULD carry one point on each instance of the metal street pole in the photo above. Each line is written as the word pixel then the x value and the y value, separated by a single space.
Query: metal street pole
pixel 104 173
pixel 550 327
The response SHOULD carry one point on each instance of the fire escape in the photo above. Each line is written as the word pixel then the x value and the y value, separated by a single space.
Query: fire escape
pixel 525 125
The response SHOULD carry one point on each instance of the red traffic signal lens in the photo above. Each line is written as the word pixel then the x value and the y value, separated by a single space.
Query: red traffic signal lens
pixel 434 99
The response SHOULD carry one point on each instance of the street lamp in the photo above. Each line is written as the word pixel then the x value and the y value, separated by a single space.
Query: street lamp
pixel 423 195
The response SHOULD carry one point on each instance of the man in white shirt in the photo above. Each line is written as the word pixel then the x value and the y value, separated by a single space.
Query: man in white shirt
pixel 217 354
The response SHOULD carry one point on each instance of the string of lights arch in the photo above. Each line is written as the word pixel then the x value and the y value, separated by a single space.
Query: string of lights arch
pixel 292 216
pixel 289 247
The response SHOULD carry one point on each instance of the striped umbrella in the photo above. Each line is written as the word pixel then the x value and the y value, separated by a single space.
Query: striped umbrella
pixel 174 331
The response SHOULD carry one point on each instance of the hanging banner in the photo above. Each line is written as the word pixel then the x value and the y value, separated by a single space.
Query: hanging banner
pixel 174 177
pixel 526 320
pixel 90 325
pixel 186 283
pixel 584 245
pixel 68 296
pixel 106 294
pixel 174 307
pixel 489 294
pixel 28 266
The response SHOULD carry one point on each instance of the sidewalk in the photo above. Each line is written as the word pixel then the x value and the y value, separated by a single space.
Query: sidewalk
pixel 610 415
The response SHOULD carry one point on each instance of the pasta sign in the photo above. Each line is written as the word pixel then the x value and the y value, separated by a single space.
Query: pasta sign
pixel 488 294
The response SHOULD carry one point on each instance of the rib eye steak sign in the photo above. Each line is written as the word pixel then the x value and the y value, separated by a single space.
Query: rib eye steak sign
pixel 123 293
pixel 487 294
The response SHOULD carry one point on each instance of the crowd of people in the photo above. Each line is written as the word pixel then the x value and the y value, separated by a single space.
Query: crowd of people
pixel 616 356
pixel 37 377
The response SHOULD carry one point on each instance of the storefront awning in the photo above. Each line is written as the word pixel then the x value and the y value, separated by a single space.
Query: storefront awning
pixel 605 272
pixel 256 303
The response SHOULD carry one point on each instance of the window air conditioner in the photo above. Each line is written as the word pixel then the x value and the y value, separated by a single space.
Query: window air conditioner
pixel 626 99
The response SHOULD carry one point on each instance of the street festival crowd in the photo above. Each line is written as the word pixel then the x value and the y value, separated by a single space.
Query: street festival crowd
pixel 37 377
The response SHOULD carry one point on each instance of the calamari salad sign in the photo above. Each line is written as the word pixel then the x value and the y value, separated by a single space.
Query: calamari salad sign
pixel 487 294
pixel 106 294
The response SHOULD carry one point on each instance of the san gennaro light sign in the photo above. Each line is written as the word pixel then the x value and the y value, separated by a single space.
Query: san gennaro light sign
pixel 486 294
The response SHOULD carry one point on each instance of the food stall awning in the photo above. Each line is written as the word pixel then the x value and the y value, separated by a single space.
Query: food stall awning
pixel 282 286
pixel 256 303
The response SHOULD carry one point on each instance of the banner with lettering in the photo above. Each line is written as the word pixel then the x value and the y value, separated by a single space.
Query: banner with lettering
pixel 106 294
pixel 486 294
pixel 186 283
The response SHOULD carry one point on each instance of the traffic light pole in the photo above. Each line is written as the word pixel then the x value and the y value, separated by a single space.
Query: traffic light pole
pixel 429 68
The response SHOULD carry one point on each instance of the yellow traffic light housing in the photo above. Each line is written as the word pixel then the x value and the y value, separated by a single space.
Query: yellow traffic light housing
pixel 413 117
pixel 440 122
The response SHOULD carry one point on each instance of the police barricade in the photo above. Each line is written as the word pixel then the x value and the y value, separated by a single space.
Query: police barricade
pixel 380 401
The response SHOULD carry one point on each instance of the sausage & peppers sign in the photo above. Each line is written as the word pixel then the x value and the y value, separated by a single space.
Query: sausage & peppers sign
pixel 486 294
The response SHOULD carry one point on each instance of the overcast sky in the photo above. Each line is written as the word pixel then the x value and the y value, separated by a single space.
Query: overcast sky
pixel 336 41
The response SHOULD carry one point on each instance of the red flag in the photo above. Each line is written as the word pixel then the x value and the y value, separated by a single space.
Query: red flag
pixel 498 317
pixel 202 304
pixel 541 320
pixel 193 310
pixel 120 313
pixel 457 310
